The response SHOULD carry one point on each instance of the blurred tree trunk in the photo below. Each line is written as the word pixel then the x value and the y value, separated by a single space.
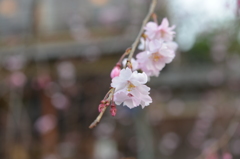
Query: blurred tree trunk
pixel 144 136
pixel 18 129
pixel 50 138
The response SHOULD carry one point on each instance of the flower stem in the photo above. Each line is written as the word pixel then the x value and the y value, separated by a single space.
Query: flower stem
pixel 123 55
pixel 97 120
pixel 108 93
pixel 154 17
pixel 99 117
pixel 148 16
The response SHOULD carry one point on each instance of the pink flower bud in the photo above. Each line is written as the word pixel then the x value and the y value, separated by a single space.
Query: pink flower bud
pixel 113 110
pixel 115 71
pixel 100 107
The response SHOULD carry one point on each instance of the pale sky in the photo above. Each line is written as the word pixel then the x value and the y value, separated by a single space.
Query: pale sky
pixel 195 16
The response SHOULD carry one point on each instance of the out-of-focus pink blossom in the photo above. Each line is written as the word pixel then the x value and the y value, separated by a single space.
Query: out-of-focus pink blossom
pixel 115 71
pixel 15 62
pixel 155 57
pixel 134 63
pixel 46 123
pixel 227 156
pixel 172 45
pixel 212 156
pixel 43 80
pixel 130 89
pixel 67 74
pixel 161 32
pixel 59 101
pixel 17 79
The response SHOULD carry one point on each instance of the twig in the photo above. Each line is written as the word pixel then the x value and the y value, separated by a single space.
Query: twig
pixel 97 120
pixel 99 117
pixel 123 55
pixel 133 48
pixel 150 12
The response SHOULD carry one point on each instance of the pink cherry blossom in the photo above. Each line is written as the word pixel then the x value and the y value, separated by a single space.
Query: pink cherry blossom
pixel 155 57
pixel 172 45
pixel 142 44
pixel 163 31
pixel 134 63
pixel 115 71
pixel 130 89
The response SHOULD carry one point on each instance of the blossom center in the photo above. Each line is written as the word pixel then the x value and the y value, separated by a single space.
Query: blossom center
pixel 162 32
pixel 156 56
pixel 130 87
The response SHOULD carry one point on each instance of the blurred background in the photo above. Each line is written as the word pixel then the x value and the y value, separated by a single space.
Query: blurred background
pixel 56 57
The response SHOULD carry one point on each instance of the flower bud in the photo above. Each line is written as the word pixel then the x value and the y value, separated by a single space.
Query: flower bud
pixel 113 110
pixel 115 71
pixel 100 107
pixel 107 103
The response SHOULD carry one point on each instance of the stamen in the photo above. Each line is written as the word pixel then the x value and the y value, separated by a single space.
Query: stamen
pixel 156 56
pixel 162 33
pixel 130 87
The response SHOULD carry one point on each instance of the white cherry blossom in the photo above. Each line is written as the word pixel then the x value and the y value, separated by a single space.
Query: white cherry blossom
pixel 163 31
pixel 130 89
pixel 153 60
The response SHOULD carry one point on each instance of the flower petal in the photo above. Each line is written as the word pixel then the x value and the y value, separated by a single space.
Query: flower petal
pixel 151 26
pixel 164 23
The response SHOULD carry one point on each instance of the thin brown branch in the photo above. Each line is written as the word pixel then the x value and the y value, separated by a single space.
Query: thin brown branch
pixel 148 16
pixel 99 117
pixel 108 93
pixel 154 16
pixel 97 120
pixel 123 55
pixel 133 48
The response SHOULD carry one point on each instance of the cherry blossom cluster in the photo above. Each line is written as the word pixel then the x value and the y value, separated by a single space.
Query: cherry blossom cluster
pixel 129 76
pixel 158 47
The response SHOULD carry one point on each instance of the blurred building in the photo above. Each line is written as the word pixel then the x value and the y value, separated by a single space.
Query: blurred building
pixel 56 56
